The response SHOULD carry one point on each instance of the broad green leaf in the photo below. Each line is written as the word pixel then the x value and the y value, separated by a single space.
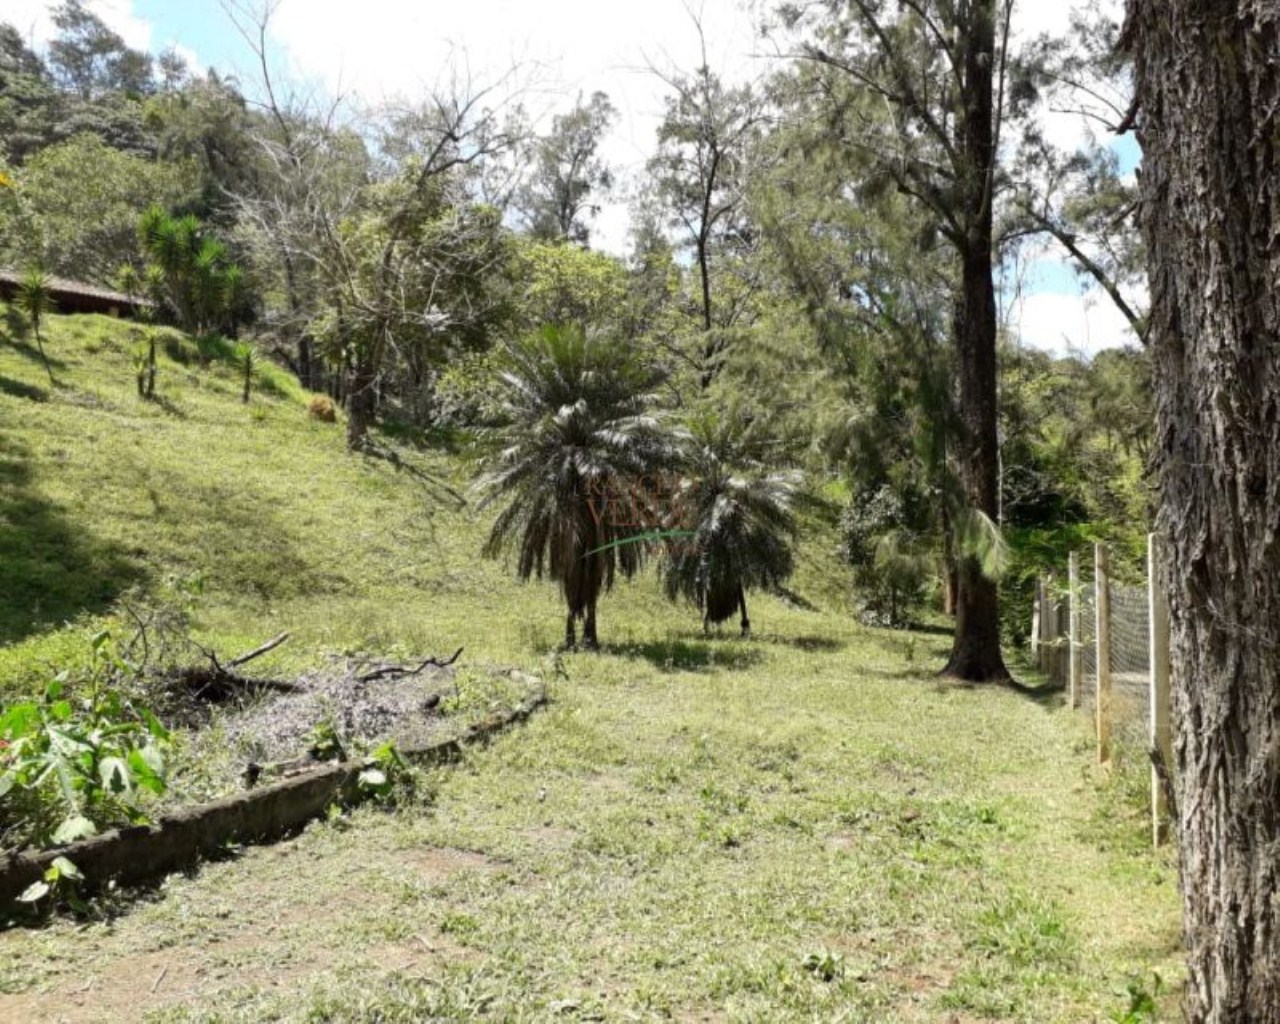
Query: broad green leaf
pixel 154 758
pixel 67 870
pixel 153 725
pixel 19 720
pixel 75 828
pixel 148 768
pixel 68 743
pixel 114 773
pixel 33 892
pixel 65 780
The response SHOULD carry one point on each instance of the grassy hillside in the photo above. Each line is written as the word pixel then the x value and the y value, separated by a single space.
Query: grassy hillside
pixel 256 508
pixel 805 826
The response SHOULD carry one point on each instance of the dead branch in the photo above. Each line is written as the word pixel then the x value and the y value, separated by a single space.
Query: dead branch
pixel 400 671
pixel 257 652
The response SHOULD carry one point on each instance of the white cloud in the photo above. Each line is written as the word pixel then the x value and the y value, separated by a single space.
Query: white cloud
pixel 383 48
pixel 1060 323
pixel 194 64
pixel 380 48
pixel 33 20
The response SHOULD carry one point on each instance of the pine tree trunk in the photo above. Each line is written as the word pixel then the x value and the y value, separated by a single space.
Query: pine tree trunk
pixel 1208 78
pixel 975 653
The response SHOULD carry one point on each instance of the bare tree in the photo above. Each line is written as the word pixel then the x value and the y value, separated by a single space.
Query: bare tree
pixel 382 257
pixel 700 175
pixel 312 171
pixel 417 270
pixel 568 180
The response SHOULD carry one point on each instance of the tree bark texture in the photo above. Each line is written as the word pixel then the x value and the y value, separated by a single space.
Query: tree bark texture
pixel 975 653
pixel 362 402
pixel 1208 80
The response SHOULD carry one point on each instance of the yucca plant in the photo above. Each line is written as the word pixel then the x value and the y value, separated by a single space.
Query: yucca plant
pixel 247 360
pixel 35 300
pixel 144 366
pixel 733 521
pixel 578 427
pixel 191 272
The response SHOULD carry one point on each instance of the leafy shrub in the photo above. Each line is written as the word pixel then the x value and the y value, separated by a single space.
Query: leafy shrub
pixel 144 365
pixel 892 562
pixel 80 758
pixel 465 390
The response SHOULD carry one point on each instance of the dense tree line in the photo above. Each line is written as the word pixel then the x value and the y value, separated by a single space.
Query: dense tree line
pixel 816 251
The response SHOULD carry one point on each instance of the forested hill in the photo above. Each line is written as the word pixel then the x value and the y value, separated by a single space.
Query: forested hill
pixel 791 303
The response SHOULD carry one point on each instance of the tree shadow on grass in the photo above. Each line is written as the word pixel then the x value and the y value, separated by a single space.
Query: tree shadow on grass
pixel 168 406
pixel 689 655
pixel 20 389
pixel 931 629
pixel 795 599
pixel 1048 695
pixel 438 488
pixel 28 350
pixel 52 568
pixel 825 644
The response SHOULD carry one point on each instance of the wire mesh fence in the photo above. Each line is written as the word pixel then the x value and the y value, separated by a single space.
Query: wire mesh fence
pixel 1095 636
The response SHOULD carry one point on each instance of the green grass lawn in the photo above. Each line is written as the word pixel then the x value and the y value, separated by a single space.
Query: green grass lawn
pixel 804 826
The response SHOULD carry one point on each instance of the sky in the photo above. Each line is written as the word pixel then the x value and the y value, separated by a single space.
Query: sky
pixel 383 48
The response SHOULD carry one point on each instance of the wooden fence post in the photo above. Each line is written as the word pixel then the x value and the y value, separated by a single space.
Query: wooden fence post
pixel 1062 653
pixel 1161 737
pixel 1074 653
pixel 1048 626
pixel 1035 624
pixel 1102 604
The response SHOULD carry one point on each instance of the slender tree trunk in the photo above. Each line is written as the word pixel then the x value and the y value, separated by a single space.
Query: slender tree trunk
pixel 975 654
pixel 35 327
pixel 704 276
pixel 151 366
pixel 361 403
pixel 307 365
pixel 1208 79
pixel 949 581
pixel 306 360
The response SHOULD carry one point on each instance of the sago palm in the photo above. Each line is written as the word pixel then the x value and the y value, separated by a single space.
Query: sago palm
pixel 579 431
pixel 735 521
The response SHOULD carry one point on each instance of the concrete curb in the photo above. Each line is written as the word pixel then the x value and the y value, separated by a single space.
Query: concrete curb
pixel 137 853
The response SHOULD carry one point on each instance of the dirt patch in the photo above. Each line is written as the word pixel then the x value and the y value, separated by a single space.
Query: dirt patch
pixel 550 838
pixel 273 936
pixel 437 864
pixel 348 695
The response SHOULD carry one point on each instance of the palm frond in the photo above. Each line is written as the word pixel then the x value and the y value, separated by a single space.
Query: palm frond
pixel 576 420
pixel 741 517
